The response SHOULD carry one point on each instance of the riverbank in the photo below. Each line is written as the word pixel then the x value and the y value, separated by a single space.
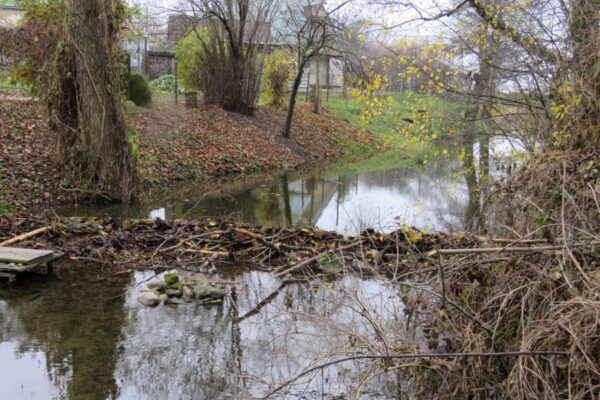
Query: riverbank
pixel 172 143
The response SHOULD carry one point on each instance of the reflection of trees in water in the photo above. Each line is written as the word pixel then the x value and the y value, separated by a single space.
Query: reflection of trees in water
pixel 196 352
pixel 78 327
pixel 476 176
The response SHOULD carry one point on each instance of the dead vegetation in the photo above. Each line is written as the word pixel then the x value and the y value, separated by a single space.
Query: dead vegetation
pixel 173 143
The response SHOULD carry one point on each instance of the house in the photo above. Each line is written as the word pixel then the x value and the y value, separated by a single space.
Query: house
pixel 10 13
pixel 328 69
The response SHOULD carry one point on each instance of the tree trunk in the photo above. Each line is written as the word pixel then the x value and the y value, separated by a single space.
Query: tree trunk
pixel 100 151
pixel 290 113
pixel 285 190
pixel 317 88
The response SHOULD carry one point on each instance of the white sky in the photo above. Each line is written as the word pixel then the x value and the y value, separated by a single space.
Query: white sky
pixel 357 9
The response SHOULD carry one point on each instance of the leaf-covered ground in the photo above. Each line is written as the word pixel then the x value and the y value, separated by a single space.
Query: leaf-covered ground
pixel 173 143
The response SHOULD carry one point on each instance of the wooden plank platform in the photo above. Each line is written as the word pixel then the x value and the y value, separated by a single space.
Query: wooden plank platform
pixel 14 260
pixel 23 256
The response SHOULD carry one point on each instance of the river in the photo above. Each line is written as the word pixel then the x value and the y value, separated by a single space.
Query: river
pixel 82 335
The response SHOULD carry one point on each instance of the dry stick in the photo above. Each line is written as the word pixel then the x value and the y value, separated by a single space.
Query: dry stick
pixel 512 241
pixel 442 279
pixel 311 259
pixel 208 252
pixel 258 238
pixel 25 236
pixel 467 314
pixel 202 235
pixel 413 356
pixel 485 250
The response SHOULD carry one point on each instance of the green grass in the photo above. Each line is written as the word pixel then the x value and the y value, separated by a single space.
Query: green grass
pixel 5 208
pixel 406 105
pixel 6 84
pixel 403 149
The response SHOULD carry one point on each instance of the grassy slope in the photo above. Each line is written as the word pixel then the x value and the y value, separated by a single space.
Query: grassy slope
pixel 402 151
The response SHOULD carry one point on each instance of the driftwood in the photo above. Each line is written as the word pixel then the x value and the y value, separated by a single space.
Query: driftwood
pixel 25 236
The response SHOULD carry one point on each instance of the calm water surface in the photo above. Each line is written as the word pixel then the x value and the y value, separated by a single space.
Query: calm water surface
pixel 78 336
pixel 434 195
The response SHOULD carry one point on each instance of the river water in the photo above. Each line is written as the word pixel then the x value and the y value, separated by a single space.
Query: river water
pixel 378 193
pixel 82 335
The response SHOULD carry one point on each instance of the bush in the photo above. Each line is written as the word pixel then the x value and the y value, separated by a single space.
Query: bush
pixel 276 78
pixel 139 90
pixel 207 63
pixel 164 84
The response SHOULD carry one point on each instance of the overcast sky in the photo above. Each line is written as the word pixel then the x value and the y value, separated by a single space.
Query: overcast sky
pixel 356 9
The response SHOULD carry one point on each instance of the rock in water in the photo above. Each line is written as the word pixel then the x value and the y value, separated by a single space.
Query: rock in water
pixel 174 300
pixel 171 278
pixel 173 293
pixel 207 292
pixel 163 298
pixel 160 286
pixel 149 299
pixel 187 293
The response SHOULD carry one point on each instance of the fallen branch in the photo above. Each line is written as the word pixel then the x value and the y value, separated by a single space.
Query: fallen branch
pixel 310 260
pixel 486 250
pixel 209 252
pixel 25 236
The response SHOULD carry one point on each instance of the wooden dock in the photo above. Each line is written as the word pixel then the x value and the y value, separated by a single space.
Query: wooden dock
pixel 14 261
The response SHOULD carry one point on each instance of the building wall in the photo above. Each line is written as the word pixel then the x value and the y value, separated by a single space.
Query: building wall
pixel 10 15
pixel 321 64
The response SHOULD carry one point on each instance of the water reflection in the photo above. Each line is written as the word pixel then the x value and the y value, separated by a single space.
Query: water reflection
pixel 63 334
pixel 61 339
pixel 445 193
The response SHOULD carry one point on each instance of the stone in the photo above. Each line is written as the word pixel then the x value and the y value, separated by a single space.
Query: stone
pixel 171 278
pixel 173 292
pixel 163 298
pixel 174 300
pixel 187 292
pixel 207 292
pixel 160 286
pixel 148 299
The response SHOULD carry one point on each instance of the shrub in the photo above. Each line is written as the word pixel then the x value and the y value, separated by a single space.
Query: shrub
pixel 276 77
pixel 210 61
pixel 164 84
pixel 139 90
pixel 189 64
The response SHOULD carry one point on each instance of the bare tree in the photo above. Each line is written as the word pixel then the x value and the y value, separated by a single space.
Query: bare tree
pixel 307 30
pixel 232 35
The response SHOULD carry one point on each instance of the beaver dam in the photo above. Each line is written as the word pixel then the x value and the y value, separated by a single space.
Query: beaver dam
pixel 240 311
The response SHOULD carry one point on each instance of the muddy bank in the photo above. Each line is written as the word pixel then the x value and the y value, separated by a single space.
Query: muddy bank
pixel 171 143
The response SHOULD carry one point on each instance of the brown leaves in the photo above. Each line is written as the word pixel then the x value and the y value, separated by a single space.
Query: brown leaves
pixel 173 143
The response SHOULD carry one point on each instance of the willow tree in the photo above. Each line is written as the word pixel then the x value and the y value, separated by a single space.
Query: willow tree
pixel 70 54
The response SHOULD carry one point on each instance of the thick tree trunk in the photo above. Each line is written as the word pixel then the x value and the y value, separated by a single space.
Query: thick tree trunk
pixel 105 164
pixel 290 113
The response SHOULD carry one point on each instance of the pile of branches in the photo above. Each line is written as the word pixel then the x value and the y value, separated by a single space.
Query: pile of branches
pixel 516 318
pixel 194 245
pixel 535 300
